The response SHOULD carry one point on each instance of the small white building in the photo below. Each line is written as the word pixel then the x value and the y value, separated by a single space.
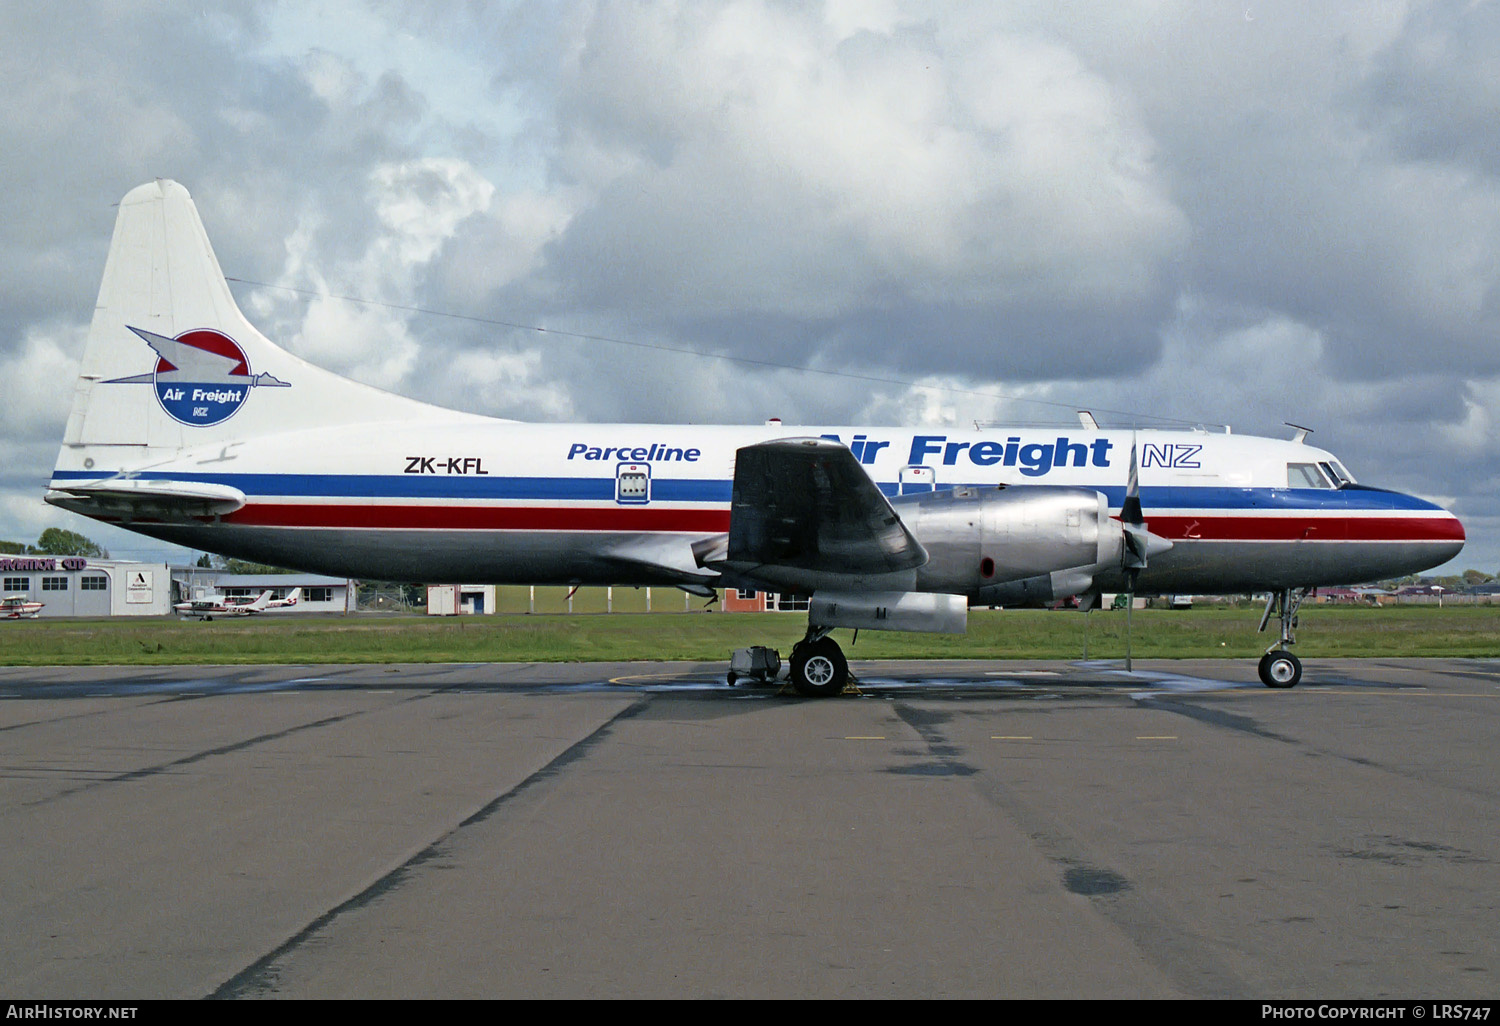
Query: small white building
pixel 85 586
pixel 458 599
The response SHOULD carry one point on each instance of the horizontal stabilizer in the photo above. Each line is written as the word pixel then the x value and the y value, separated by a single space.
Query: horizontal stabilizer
pixel 131 499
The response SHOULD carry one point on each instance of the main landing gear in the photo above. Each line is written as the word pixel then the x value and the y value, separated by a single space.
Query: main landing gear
pixel 819 669
pixel 1278 667
pixel 818 666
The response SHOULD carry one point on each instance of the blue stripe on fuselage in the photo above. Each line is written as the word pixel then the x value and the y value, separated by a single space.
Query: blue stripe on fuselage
pixel 378 486
pixel 666 489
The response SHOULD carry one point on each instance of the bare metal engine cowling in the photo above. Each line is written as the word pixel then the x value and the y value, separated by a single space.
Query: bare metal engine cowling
pixel 1015 545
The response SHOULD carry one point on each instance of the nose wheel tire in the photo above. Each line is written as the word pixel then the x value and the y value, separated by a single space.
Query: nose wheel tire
pixel 819 669
pixel 1280 670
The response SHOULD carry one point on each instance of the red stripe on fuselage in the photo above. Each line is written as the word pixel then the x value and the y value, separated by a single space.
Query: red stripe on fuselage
pixel 485 518
pixel 462 517
pixel 1328 528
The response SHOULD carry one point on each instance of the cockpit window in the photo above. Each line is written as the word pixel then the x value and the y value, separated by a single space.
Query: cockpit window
pixel 1335 470
pixel 1305 475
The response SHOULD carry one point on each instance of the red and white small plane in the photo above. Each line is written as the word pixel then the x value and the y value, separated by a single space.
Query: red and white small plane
pixel 208 608
pixel 19 607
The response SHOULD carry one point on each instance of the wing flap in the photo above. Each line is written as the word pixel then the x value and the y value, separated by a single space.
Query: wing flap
pixel 806 504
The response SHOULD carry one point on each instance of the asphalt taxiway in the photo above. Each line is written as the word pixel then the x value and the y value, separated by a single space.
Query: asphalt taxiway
pixel 958 829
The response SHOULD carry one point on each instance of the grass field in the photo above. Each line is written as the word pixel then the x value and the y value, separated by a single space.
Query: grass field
pixel 1174 634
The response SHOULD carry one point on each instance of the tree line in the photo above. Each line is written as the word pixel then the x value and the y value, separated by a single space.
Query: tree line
pixel 55 541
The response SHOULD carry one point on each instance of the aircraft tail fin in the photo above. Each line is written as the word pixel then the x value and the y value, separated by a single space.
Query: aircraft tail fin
pixel 262 601
pixel 171 363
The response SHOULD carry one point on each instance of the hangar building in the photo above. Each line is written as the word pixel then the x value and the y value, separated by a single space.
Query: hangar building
pixel 85 586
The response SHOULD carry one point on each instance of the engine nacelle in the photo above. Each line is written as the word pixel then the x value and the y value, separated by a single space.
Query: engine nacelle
pixel 1013 545
pixel 889 611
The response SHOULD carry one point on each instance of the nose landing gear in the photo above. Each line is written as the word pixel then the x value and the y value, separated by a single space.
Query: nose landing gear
pixel 1278 667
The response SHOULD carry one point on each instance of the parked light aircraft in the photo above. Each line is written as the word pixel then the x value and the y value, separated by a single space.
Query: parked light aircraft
pixel 218 605
pixel 188 425
pixel 19 607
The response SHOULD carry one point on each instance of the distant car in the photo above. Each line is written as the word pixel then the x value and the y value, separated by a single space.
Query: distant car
pixel 1179 602
pixel 19 607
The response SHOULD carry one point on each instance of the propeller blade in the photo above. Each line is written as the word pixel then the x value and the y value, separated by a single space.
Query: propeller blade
pixel 1130 511
pixel 1139 543
pixel 1133 558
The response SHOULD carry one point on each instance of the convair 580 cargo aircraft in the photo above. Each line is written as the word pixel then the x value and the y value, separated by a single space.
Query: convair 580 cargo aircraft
pixel 190 426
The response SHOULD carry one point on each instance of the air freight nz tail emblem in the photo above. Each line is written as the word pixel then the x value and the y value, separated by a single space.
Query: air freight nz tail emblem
pixel 202 377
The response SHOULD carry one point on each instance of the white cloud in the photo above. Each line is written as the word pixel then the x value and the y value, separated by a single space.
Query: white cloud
pixel 506 384
pixel 505 246
pixel 1475 437
pixel 421 203
pixel 333 79
pixel 36 379
pixel 418 207
pixel 760 160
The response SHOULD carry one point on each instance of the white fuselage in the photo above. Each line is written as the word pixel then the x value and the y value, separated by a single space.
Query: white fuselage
pixel 495 501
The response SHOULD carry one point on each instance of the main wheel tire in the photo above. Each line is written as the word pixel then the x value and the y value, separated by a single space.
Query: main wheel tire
pixel 819 669
pixel 1280 670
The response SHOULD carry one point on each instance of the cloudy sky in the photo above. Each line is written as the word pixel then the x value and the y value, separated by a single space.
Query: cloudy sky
pixel 1220 212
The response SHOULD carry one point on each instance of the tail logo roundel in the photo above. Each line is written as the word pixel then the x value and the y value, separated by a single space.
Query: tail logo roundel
pixel 201 378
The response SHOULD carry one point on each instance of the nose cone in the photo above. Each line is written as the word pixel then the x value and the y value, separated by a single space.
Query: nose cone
pixel 1421 534
pixel 1453 528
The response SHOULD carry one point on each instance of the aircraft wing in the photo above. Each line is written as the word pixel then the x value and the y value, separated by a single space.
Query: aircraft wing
pixel 806 505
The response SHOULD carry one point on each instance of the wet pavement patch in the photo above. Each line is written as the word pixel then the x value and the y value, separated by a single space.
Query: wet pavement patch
pixel 934 769
pixel 1091 882
pixel 921 719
